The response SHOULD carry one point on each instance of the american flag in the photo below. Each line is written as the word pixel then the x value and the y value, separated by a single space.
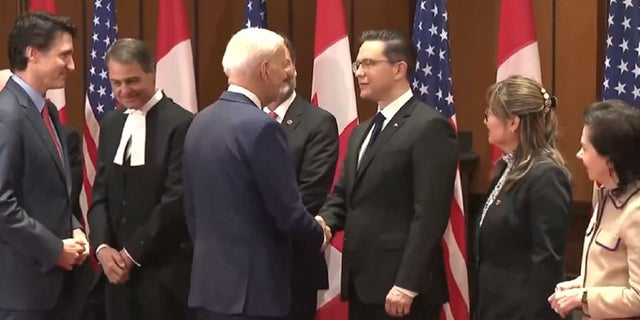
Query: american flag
pixel 432 84
pixel 100 99
pixel 622 62
pixel 255 14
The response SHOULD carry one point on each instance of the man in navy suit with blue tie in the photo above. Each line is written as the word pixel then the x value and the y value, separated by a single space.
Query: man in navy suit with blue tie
pixel 242 203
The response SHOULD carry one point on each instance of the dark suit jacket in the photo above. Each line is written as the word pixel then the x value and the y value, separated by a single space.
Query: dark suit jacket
pixel 520 245
pixel 141 208
pixel 395 206
pixel 243 208
pixel 35 204
pixel 313 145
pixel 73 142
pixel 79 281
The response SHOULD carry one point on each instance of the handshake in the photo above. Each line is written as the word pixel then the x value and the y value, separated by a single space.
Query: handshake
pixel 327 232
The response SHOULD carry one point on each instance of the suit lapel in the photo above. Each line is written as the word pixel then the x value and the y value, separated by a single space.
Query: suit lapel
pixel 35 119
pixel 389 130
pixel 293 117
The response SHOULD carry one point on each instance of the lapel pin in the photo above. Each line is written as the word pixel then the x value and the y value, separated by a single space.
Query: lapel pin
pixel 395 125
pixel 498 202
pixel 289 122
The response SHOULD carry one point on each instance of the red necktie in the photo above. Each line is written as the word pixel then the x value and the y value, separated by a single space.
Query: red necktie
pixel 273 115
pixel 46 117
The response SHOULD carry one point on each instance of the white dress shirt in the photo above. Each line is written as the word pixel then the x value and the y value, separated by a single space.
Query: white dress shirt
pixel 281 109
pixel 388 112
pixel 243 91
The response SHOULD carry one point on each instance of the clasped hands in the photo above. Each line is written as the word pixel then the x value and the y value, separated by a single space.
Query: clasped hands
pixel 74 250
pixel 115 264
pixel 567 296
pixel 327 232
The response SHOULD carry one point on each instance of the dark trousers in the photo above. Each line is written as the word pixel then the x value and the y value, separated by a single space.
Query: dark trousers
pixel 303 305
pixel 203 314
pixel 362 311
pixel 144 299
pixel 24 315
pixel 71 304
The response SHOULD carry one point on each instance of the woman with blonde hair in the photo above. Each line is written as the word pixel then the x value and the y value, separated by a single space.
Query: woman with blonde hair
pixel 520 237
pixel 609 283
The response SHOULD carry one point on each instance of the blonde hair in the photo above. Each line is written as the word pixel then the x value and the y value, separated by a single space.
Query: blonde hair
pixel 525 98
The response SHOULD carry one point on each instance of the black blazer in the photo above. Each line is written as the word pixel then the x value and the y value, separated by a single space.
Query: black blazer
pixel 71 138
pixel 35 204
pixel 313 144
pixel 520 245
pixel 141 208
pixel 394 207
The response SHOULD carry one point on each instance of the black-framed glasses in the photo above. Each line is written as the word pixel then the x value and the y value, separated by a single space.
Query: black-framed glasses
pixel 366 63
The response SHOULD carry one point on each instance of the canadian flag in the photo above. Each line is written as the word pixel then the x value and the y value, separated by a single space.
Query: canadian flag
pixel 517 46
pixel 174 69
pixel 332 89
pixel 56 96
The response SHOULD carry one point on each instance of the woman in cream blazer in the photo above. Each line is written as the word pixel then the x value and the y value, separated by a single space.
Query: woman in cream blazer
pixel 609 283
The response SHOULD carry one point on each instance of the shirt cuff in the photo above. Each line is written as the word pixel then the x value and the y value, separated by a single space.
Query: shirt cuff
pixel 405 291
pixel 130 257
pixel 100 247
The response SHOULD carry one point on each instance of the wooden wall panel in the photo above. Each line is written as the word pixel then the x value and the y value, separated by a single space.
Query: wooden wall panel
pixel 577 53
pixel 10 10
pixel 577 82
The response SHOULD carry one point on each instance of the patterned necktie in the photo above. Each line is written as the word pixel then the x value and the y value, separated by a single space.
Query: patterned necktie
pixel 273 115
pixel 46 117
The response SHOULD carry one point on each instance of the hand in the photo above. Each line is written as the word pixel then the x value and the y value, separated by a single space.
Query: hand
pixel 565 285
pixel 81 239
pixel 71 250
pixel 326 230
pixel 127 260
pixel 397 304
pixel 114 267
pixel 566 300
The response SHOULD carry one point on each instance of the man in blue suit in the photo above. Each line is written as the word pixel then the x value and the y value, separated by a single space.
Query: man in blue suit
pixel 242 202
pixel 40 239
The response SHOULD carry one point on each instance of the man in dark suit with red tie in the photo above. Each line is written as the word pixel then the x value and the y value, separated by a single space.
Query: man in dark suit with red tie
pixel 313 144
pixel 394 195
pixel 40 239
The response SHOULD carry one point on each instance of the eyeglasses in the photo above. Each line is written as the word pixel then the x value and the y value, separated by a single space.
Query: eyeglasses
pixel 366 63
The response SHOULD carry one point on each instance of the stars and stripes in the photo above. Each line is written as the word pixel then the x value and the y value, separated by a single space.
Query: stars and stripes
pixel 99 99
pixel 622 61
pixel 432 84
pixel 255 14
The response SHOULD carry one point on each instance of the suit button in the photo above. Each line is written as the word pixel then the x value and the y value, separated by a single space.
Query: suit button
pixel 123 221
pixel 123 203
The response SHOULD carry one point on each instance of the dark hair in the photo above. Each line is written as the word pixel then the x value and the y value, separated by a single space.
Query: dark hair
pixel 129 50
pixel 38 29
pixel 397 47
pixel 614 132
pixel 289 46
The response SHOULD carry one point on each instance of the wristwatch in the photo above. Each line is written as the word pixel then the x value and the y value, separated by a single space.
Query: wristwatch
pixel 584 297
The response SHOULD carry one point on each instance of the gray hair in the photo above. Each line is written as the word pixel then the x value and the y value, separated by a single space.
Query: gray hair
pixel 248 48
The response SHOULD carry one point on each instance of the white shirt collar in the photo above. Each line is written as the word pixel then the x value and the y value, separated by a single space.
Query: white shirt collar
pixel 281 109
pixel 241 90
pixel 392 108
pixel 135 129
